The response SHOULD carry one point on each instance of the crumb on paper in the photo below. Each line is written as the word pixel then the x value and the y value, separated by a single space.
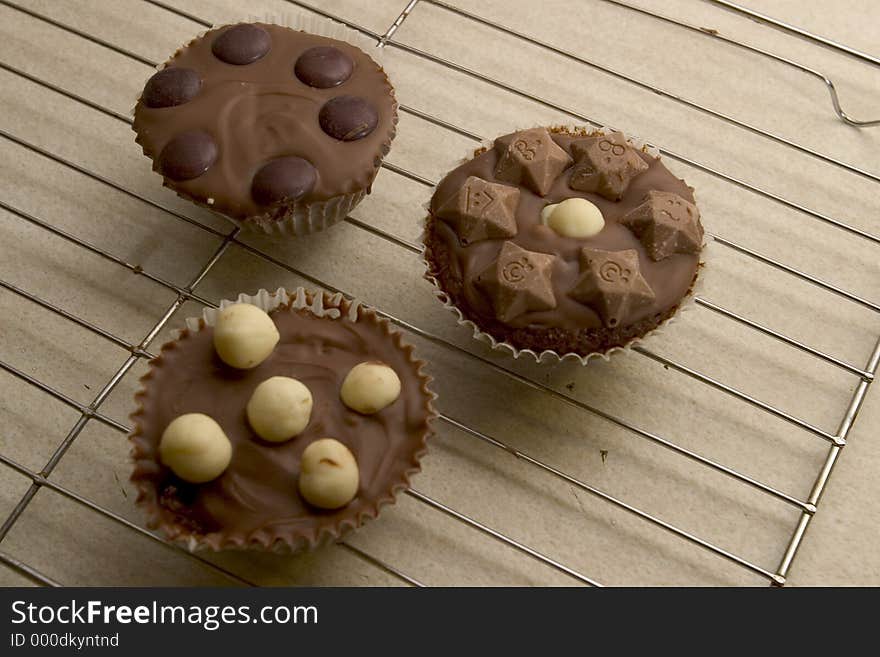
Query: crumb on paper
pixel 87 386
pixel 570 386
pixel 210 201
pixel 604 454
pixel 709 30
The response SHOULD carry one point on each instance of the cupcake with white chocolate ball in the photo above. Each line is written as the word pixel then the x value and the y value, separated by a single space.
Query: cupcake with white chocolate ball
pixel 563 242
pixel 278 422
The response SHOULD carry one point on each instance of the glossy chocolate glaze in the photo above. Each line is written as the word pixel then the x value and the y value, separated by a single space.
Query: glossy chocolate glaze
pixel 260 111
pixel 256 499
pixel 457 266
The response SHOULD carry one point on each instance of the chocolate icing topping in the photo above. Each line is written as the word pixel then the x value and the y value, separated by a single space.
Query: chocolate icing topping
pixel 459 266
pixel 256 499
pixel 261 111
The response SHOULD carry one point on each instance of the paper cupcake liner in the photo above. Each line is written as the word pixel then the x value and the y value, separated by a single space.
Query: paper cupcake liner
pixel 302 218
pixel 333 307
pixel 548 355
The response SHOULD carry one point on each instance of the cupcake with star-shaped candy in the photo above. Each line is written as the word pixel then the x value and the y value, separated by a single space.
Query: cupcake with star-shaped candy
pixel 563 242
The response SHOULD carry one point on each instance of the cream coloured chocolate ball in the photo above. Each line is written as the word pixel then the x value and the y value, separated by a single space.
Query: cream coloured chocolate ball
pixel 279 408
pixel 195 448
pixel 244 335
pixel 328 477
pixel 574 217
pixel 369 387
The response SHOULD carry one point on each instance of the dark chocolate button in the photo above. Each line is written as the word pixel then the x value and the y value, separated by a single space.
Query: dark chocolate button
pixel 188 155
pixel 348 118
pixel 172 86
pixel 284 178
pixel 323 67
pixel 242 44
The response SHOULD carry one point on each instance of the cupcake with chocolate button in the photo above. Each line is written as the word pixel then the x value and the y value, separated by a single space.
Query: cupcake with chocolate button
pixel 278 422
pixel 277 129
pixel 563 242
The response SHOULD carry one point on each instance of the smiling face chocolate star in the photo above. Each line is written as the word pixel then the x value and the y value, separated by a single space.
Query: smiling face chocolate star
pixel 667 224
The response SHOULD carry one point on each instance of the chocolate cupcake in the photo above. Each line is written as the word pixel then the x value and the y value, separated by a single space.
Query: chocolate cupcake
pixel 563 242
pixel 278 422
pixel 277 129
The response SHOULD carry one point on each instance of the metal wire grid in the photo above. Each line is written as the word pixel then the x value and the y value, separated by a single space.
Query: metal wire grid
pixel 91 411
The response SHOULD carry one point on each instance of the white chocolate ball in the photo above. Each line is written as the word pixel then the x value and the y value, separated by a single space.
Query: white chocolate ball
pixel 195 448
pixel 329 476
pixel 244 335
pixel 370 387
pixel 574 217
pixel 279 408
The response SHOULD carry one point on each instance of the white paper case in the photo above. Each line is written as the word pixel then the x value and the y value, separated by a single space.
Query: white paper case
pixel 685 305
pixel 269 301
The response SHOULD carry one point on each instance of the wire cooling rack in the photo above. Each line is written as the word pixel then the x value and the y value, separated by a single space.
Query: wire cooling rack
pixel 805 506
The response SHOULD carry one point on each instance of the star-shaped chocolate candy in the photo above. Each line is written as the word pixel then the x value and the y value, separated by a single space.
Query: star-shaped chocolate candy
pixel 518 281
pixel 481 210
pixel 666 223
pixel 531 158
pixel 612 284
pixel 605 164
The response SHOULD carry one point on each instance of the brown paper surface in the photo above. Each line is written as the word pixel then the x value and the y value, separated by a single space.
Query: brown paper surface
pixel 77 545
